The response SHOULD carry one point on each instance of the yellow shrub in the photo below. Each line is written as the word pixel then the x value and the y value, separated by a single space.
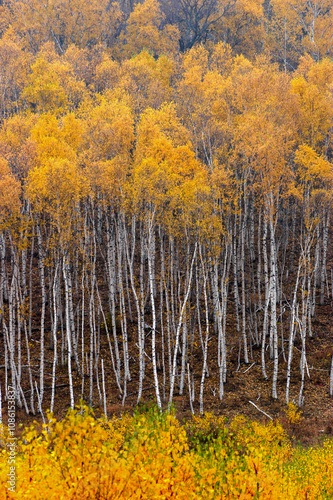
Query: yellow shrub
pixel 152 456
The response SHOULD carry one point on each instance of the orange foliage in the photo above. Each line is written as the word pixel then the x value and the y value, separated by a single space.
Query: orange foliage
pixel 152 456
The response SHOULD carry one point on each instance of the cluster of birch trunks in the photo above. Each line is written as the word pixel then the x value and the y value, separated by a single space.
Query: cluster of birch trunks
pixel 167 306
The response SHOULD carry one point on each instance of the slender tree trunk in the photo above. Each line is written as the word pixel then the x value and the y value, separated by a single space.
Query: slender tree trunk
pixel 323 274
pixel 205 347
pixel 185 331
pixel 267 298
pixel 54 332
pixel 42 320
pixel 112 281
pixel 104 392
pixel 122 306
pixel 130 262
pixel 65 266
pixel 331 378
pixel 174 364
pixel 162 280
pixel 246 355
pixel 292 332
pixel 273 295
pixel 153 311
pixel 234 262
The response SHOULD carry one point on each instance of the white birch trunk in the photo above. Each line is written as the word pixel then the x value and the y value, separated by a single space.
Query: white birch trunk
pixel 205 347
pixel 234 262
pixel 323 275
pixel 123 321
pixel 174 364
pixel 68 331
pixel 54 332
pixel 112 281
pixel 42 320
pixel 273 294
pixel 104 392
pixel 130 262
pixel 246 355
pixel 331 378
pixel 267 298
pixel 153 311
pixel 292 332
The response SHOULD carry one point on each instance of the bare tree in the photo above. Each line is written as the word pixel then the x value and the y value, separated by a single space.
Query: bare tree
pixel 194 18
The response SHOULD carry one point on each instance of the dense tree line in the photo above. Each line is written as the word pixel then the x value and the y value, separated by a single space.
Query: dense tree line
pixel 153 181
pixel 283 29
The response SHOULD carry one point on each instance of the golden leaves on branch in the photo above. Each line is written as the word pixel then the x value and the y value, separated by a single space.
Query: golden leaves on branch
pixel 10 193
pixel 145 31
pixel 166 176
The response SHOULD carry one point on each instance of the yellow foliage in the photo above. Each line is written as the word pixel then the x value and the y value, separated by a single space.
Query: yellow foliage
pixel 146 80
pixel 143 31
pixel 167 180
pixel 14 67
pixel 10 191
pixel 150 455
pixel 313 167
pixel 293 414
pixel 64 22
pixel 52 86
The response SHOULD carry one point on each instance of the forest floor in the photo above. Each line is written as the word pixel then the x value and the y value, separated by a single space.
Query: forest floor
pixel 245 383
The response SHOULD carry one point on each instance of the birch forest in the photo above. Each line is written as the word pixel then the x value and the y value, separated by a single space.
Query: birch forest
pixel 165 198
